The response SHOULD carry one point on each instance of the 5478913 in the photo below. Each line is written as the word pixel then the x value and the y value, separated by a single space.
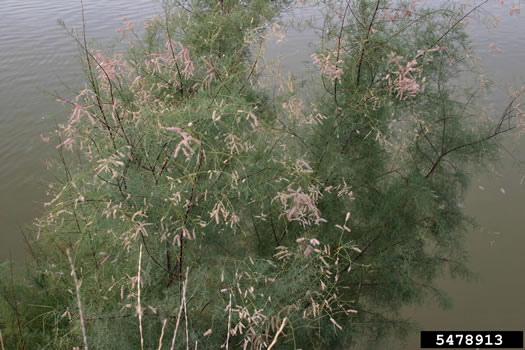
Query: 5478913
pixel 472 339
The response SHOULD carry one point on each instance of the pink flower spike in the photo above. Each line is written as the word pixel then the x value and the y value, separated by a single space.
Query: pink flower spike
pixel 314 242
pixel 68 143
pixel 45 139
pixel 129 26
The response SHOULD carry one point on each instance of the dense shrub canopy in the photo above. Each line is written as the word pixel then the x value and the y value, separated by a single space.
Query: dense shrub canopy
pixel 203 212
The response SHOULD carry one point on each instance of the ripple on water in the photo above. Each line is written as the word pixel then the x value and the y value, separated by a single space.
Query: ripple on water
pixel 36 54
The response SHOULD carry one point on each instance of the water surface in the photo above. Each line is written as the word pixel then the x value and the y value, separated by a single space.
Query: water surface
pixel 37 55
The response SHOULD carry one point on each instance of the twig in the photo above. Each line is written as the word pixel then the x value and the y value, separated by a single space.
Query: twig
pixel 139 308
pixel 455 24
pixel 365 42
pixel 186 311
pixel 182 305
pixel 182 6
pixel 505 116
pixel 176 328
pixel 259 54
pixel 1 340
pixel 79 303
pixel 152 257
pixel 162 333
pixel 278 333
pixel 229 321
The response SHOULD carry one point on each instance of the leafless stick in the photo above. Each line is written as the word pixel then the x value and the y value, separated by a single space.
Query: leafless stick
pixel 229 320
pixel 1 340
pixel 182 305
pixel 455 24
pixel 162 333
pixel 79 303
pixel 365 42
pixel 186 311
pixel 278 333
pixel 182 6
pixel 176 328
pixel 139 308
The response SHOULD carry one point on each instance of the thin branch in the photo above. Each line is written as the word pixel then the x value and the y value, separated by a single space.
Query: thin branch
pixel 1 341
pixel 455 24
pixel 229 321
pixel 162 333
pixel 278 333
pixel 182 305
pixel 259 54
pixel 79 303
pixel 139 307
pixel 365 42
pixel 152 257
pixel 505 116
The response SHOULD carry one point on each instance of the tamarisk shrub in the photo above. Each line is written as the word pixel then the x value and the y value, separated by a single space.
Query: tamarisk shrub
pixel 202 213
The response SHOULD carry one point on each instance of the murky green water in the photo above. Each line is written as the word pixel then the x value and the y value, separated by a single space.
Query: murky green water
pixel 37 55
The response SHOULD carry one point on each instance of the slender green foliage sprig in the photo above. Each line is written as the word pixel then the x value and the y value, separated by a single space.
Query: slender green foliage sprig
pixel 203 213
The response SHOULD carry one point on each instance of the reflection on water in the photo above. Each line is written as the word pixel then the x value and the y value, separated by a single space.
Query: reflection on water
pixel 36 55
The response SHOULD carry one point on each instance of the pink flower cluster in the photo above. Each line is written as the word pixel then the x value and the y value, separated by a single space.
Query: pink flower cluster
pixel 184 144
pixel 128 27
pixel 404 82
pixel 404 79
pixel 333 71
pixel 302 207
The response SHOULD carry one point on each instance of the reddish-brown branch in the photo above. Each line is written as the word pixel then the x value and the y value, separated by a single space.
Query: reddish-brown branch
pixel 497 131
pixel 365 42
